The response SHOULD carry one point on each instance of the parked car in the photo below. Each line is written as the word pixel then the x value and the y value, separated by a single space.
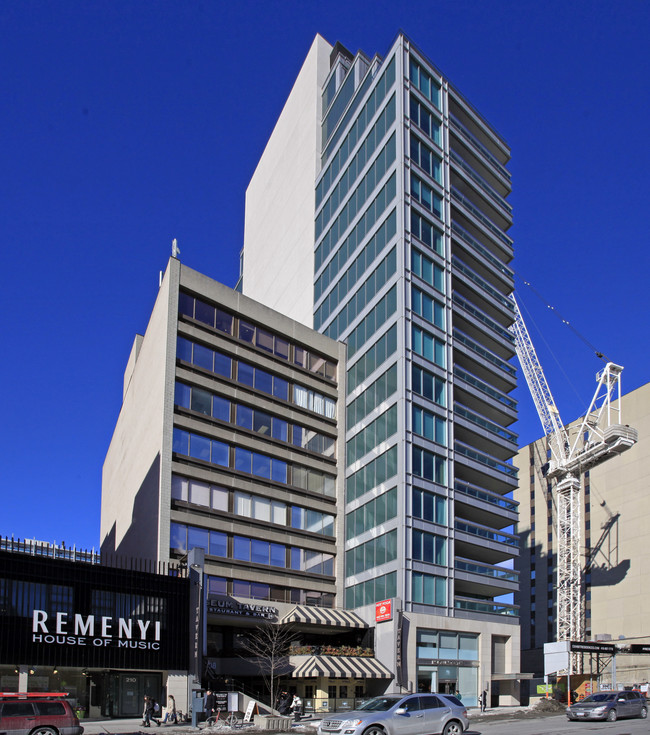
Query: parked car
pixel 414 714
pixel 30 715
pixel 609 706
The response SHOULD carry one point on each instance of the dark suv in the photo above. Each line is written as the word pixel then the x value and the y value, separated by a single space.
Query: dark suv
pixel 27 716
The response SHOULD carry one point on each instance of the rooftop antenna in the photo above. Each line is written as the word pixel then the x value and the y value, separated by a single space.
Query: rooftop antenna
pixel 176 251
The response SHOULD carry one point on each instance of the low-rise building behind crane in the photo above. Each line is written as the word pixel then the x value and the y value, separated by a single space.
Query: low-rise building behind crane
pixel 614 549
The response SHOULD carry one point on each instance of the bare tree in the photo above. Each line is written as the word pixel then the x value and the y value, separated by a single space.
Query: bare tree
pixel 268 647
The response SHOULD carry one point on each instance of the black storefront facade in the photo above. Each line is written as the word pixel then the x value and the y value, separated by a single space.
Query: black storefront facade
pixel 108 636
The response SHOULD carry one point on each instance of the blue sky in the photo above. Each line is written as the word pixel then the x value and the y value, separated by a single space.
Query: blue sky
pixel 126 124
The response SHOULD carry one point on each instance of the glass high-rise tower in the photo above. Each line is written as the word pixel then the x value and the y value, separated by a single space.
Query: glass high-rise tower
pixel 378 214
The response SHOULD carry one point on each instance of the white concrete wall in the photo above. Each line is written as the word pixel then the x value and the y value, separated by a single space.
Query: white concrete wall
pixel 131 472
pixel 278 267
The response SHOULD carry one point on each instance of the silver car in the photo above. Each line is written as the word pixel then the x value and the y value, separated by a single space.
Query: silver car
pixel 396 714
pixel 609 706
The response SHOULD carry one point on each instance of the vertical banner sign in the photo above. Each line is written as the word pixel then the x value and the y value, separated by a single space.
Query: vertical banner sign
pixel 398 648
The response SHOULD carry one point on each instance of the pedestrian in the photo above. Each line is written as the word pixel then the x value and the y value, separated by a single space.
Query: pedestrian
pixel 144 712
pixel 483 700
pixel 171 711
pixel 480 701
pixel 209 704
pixel 296 707
pixel 284 703
pixel 153 711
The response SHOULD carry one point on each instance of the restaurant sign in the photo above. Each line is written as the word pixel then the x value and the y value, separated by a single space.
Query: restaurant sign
pixel 229 606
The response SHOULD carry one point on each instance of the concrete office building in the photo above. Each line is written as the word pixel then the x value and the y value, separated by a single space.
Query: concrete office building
pixel 616 555
pixel 230 441
pixel 382 193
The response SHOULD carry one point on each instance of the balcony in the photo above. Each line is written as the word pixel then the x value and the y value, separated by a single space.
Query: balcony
pixel 477 431
pixel 482 328
pixel 482 469
pixel 492 403
pixel 473 578
pixel 483 261
pixel 485 606
pixel 479 506
pixel 468 282
pixel 475 145
pixel 483 362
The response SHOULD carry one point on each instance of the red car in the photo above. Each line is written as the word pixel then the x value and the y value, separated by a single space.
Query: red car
pixel 37 714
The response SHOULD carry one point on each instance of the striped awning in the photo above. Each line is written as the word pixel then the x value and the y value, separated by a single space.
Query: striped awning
pixel 324 616
pixel 341 667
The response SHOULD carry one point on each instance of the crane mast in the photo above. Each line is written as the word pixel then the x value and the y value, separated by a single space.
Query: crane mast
pixel 592 440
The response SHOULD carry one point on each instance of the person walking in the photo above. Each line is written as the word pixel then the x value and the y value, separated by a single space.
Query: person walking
pixel 153 709
pixel 171 711
pixel 284 703
pixel 483 700
pixel 296 707
pixel 210 704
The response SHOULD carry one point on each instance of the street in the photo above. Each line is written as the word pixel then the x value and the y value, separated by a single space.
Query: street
pixel 556 725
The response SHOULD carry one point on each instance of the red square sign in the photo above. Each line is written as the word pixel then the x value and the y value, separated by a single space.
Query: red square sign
pixel 383 610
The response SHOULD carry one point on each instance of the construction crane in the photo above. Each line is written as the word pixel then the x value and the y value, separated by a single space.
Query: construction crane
pixel 599 435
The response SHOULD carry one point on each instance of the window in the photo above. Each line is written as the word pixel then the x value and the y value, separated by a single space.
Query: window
pixel 426 196
pixel 427 307
pixel 428 385
pixel 427 270
pixel 429 590
pixel 425 119
pixel 429 506
pixel 426 233
pixel 429 425
pixel 423 81
pixel 425 158
pixel 428 465
pixel 429 547
pixel 428 346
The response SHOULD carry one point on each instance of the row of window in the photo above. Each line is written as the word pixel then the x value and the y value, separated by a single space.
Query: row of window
pixel 373 321
pixel 429 506
pixel 429 547
pixel 261 591
pixel 426 232
pixel 428 346
pixel 359 196
pixel 258 551
pixel 379 470
pixel 376 393
pixel 357 164
pixel 254 377
pixel 202 401
pixel 248 505
pixel 427 307
pixel 428 385
pixel 427 270
pixel 426 196
pixel 366 223
pixel 423 81
pixel 357 301
pixel 424 118
pixel 384 426
pixel 447 644
pixel 429 425
pixel 357 268
pixel 425 157
pixel 253 463
pixel 374 356
pixel 428 466
pixel 371 514
pixel 373 553
pixel 270 342
pixel 363 118
pixel 371 591
pixel 428 589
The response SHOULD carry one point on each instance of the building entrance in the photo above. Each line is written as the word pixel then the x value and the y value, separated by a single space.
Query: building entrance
pixel 125 692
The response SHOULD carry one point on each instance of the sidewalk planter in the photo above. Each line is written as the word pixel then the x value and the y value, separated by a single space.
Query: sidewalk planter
pixel 277 723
